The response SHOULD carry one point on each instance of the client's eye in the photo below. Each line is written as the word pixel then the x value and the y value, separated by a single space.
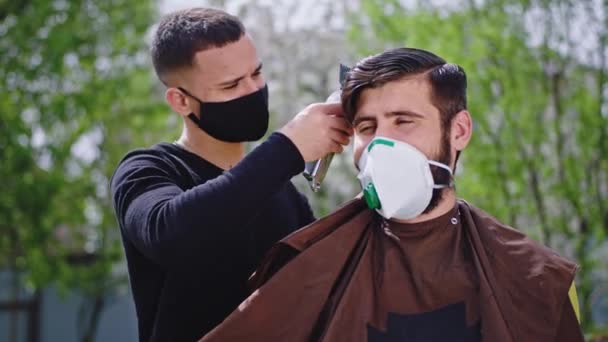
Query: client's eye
pixel 366 128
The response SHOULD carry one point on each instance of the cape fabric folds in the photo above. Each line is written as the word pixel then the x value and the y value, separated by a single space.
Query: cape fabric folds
pixel 322 283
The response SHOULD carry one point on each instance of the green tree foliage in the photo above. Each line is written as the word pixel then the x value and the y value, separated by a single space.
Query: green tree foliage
pixel 75 95
pixel 537 93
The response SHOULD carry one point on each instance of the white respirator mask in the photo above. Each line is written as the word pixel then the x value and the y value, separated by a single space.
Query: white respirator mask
pixel 396 178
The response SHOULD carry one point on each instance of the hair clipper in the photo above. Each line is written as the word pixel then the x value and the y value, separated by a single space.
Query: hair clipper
pixel 316 171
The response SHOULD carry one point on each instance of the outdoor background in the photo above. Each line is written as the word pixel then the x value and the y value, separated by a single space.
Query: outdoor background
pixel 77 91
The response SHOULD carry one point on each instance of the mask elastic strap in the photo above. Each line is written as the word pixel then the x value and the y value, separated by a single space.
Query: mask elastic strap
pixel 441 165
pixel 443 186
pixel 192 116
pixel 448 169
pixel 188 93
pixel 194 119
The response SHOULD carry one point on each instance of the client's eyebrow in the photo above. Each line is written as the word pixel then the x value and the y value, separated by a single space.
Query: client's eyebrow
pixel 408 113
pixel 362 118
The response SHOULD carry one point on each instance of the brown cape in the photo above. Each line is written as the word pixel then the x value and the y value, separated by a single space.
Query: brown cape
pixel 305 289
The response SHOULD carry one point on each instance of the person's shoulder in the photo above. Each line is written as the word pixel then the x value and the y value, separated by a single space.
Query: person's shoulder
pixel 154 155
pixel 510 246
pixel 157 157
pixel 522 270
pixel 487 223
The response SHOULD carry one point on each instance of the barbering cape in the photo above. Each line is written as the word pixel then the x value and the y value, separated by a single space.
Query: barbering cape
pixel 321 282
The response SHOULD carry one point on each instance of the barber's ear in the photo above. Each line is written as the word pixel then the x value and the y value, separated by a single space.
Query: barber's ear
pixel 462 128
pixel 179 102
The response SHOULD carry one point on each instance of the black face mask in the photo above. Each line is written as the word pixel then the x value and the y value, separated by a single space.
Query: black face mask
pixel 242 119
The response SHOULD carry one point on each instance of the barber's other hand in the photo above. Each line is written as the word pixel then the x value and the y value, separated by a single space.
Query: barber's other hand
pixel 318 130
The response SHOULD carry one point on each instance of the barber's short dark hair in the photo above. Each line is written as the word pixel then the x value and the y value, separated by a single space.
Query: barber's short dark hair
pixel 180 35
pixel 448 81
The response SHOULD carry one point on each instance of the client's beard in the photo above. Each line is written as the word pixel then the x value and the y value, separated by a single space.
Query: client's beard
pixel 440 175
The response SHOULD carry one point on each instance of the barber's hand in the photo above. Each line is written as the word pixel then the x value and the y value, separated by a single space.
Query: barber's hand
pixel 318 130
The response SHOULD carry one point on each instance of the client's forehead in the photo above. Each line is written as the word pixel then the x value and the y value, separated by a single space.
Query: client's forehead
pixel 406 95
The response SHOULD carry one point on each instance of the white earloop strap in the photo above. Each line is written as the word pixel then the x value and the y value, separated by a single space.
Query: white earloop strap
pixel 445 167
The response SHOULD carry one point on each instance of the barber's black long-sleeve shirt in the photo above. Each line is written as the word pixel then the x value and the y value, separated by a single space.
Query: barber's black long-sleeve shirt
pixel 193 233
